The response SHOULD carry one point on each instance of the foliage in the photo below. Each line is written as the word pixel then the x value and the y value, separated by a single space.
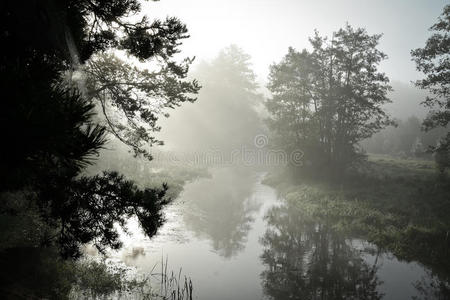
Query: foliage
pixel 327 100
pixel 41 274
pixel 87 209
pixel 434 61
pixel 162 169
pixel 95 279
pixel 407 217
pixel 51 129
pixel 132 98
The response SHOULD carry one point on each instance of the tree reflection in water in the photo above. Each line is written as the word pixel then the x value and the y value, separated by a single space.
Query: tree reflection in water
pixel 221 209
pixel 306 258
pixel 431 287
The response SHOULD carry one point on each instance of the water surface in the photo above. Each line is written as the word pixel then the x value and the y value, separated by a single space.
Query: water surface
pixel 237 239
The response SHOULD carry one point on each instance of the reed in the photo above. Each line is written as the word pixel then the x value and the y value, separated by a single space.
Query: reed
pixel 171 286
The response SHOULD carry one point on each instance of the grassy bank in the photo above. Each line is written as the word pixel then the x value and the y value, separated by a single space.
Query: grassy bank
pixel 400 205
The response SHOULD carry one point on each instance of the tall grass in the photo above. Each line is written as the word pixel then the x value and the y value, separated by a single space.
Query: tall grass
pixel 102 280
pixel 173 287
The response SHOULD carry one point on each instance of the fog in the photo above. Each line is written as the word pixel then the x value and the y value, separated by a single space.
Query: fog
pixel 229 111
pixel 201 149
pixel 266 28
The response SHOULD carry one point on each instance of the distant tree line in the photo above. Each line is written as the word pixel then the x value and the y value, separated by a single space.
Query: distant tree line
pixel 226 115
pixel 406 140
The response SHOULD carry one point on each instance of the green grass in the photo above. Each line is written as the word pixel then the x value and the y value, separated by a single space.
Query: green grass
pixel 400 205
pixel 396 167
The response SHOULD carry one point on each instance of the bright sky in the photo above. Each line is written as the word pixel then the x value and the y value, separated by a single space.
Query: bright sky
pixel 266 28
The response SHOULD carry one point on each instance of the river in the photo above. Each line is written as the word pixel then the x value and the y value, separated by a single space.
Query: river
pixel 237 239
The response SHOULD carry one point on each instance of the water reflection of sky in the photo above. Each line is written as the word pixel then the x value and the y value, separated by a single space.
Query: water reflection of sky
pixel 226 263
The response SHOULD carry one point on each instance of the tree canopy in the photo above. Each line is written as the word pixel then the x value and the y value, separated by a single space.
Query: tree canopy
pixel 326 100
pixel 434 61
pixel 49 116
pixel 132 98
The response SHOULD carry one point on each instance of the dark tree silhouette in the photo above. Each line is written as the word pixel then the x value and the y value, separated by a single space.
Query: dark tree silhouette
pixel 49 123
pixel 327 100
pixel 132 98
pixel 434 61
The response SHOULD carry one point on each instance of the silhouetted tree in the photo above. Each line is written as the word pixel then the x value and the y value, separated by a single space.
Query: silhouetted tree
pixel 433 60
pixel 49 124
pixel 327 100
pixel 132 98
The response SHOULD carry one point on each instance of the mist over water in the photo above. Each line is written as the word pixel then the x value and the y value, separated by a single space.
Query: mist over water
pixel 181 150
pixel 230 230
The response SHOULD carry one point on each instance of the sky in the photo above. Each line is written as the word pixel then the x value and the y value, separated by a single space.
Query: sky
pixel 266 28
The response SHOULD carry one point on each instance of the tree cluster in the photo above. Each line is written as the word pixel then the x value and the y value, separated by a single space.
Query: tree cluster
pixel 328 99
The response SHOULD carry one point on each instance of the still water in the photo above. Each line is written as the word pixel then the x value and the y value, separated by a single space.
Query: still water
pixel 237 239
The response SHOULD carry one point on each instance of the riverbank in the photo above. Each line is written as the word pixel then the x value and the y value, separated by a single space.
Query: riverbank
pixel 26 242
pixel 399 205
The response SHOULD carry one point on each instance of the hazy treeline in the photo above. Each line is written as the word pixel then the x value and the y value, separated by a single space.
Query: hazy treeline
pixel 226 115
pixel 406 139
